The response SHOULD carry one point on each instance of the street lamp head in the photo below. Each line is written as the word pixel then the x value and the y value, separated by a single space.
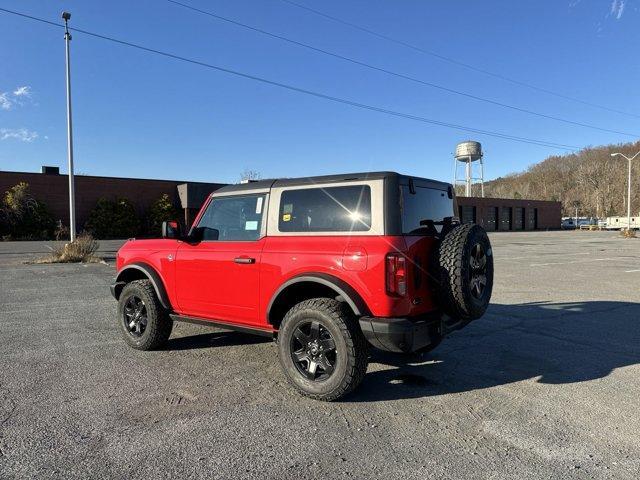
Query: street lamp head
pixel 66 16
pixel 615 154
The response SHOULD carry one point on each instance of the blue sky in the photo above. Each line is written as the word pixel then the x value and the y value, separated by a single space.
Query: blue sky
pixel 140 115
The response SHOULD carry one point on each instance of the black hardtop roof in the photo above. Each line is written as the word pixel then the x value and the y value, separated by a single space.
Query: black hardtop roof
pixel 343 177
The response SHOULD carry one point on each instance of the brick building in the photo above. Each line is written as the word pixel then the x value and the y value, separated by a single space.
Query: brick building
pixel 502 214
pixel 53 189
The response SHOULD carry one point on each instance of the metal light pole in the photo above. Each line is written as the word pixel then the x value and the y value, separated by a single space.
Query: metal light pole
pixel 628 186
pixel 72 199
pixel 576 204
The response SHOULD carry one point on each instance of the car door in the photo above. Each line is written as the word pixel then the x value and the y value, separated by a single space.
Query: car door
pixel 217 277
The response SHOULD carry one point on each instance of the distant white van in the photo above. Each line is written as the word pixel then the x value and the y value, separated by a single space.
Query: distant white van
pixel 621 223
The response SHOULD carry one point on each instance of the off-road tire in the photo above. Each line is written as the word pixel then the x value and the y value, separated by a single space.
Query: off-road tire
pixel 159 324
pixel 453 271
pixel 352 349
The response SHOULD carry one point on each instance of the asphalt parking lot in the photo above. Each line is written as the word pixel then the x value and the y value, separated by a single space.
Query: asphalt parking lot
pixel 546 385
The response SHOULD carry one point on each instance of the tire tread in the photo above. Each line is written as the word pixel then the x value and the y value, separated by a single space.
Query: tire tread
pixel 357 345
pixel 452 271
pixel 159 329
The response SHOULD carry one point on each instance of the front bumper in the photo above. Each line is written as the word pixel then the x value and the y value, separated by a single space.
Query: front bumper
pixel 407 335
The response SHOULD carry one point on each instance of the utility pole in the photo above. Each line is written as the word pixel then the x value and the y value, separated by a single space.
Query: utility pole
pixel 576 205
pixel 628 186
pixel 72 199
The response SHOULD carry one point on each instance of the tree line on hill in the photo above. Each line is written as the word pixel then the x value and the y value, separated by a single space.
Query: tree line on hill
pixel 590 180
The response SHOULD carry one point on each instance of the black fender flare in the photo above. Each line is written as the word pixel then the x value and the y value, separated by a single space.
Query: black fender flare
pixel 153 276
pixel 340 287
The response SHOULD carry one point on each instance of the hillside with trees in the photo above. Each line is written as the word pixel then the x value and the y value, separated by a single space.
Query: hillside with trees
pixel 589 178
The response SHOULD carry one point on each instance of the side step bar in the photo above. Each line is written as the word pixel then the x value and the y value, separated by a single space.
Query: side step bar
pixel 220 324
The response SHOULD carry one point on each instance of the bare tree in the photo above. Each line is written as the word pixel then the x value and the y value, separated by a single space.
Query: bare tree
pixel 250 175
pixel 590 177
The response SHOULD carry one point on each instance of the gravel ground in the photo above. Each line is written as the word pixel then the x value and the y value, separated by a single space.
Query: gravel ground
pixel 546 385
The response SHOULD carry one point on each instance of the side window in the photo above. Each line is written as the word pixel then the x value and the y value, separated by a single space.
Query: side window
pixel 233 218
pixel 329 209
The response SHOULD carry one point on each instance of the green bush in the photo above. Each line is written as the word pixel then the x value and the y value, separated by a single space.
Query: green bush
pixel 22 217
pixel 161 210
pixel 113 219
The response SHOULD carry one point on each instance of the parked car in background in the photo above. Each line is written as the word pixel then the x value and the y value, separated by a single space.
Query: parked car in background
pixel 569 223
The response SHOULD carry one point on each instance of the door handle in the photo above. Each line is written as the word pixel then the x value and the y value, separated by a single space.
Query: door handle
pixel 244 260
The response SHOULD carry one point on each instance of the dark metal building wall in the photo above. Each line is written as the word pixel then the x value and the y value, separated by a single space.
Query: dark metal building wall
pixel 500 213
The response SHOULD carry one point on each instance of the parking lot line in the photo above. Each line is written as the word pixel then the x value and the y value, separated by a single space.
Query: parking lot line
pixel 610 259
pixel 529 257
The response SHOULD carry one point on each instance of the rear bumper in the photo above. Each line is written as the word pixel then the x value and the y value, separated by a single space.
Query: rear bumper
pixel 406 335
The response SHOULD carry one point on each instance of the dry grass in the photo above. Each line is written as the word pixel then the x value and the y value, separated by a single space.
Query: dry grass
pixel 81 250
pixel 628 233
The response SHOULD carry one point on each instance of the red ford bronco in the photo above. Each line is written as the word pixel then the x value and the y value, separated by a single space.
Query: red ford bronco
pixel 325 265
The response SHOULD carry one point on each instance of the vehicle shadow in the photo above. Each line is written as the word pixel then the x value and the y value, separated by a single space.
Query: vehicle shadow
pixel 214 340
pixel 557 342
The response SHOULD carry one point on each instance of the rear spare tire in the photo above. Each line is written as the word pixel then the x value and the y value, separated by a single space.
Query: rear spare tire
pixel 464 272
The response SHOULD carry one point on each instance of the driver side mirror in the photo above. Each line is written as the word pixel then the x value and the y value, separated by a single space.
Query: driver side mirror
pixel 199 234
pixel 171 230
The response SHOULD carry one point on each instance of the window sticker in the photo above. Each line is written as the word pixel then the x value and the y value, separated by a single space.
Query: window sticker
pixel 259 206
pixel 286 217
pixel 287 208
pixel 251 225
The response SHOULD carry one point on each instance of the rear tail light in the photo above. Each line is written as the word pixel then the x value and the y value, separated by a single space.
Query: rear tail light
pixel 396 274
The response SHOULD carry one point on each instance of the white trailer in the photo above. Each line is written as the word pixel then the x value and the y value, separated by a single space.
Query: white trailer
pixel 621 223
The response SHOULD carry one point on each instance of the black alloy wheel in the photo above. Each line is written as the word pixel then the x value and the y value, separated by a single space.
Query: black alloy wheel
pixel 322 349
pixel 134 316
pixel 144 322
pixel 313 350
pixel 478 271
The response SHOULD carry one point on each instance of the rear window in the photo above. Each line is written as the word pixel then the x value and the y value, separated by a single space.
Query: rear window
pixel 330 209
pixel 425 204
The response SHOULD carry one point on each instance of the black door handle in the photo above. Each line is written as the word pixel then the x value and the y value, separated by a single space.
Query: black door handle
pixel 244 260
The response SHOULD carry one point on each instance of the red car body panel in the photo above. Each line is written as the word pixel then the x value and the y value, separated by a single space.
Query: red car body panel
pixel 203 280
pixel 154 253
pixel 210 284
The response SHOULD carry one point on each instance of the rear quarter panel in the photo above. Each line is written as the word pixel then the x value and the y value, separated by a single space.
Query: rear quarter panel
pixel 286 257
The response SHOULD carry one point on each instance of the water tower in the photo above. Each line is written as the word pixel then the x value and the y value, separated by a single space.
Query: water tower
pixel 467 153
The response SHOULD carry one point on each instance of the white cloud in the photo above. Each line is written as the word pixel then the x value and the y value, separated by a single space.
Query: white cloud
pixel 22 91
pixel 21 134
pixel 5 101
pixel 10 99
pixel 617 8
